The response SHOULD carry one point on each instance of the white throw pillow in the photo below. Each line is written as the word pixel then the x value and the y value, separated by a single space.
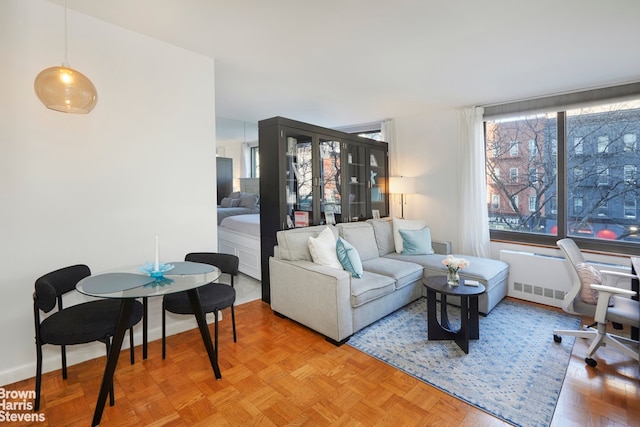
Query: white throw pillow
pixel 323 249
pixel 404 224
pixel 589 275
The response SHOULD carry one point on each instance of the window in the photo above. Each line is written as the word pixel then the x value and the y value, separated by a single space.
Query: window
pixel 533 149
pixel 495 201
pixel 629 207
pixel 593 148
pixel 629 141
pixel 630 172
pixel 376 134
pixel 603 208
pixel 603 144
pixel 577 205
pixel 603 175
pixel 578 173
pixel 513 148
pixel 513 175
pixel 255 162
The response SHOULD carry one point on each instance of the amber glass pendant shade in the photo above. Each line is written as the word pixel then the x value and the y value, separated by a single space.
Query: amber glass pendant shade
pixel 65 89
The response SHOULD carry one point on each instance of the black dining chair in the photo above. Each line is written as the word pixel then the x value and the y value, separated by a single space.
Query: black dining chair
pixel 78 324
pixel 214 297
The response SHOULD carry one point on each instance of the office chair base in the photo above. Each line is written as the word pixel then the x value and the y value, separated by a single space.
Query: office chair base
pixel 625 345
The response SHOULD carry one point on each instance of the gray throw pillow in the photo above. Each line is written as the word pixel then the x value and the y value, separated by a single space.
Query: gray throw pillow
pixel 250 201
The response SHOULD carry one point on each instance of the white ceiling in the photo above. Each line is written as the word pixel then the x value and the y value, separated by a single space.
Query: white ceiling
pixel 343 62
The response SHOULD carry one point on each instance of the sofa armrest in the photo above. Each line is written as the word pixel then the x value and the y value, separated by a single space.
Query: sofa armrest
pixel 442 248
pixel 316 296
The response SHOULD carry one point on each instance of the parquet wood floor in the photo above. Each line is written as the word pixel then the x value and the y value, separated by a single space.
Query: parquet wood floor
pixel 282 374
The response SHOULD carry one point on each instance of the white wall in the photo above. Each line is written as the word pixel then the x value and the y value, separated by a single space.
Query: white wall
pixel 97 188
pixel 426 149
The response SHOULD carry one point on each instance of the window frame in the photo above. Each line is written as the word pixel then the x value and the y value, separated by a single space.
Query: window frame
pixel 560 104
pixel 255 161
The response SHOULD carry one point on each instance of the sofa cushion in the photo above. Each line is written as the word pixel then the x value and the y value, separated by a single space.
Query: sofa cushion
pixel 349 258
pixel 486 270
pixel 383 230
pixel 370 287
pixel 361 236
pixel 403 273
pixel 323 249
pixel 416 242
pixel 404 224
pixel 293 244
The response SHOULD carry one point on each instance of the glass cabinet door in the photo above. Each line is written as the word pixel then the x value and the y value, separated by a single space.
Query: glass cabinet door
pixel 357 182
pixel 299 179
pixel 330 180
pixel 378 181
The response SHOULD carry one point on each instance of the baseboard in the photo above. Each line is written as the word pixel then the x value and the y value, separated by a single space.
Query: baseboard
pixel 82 352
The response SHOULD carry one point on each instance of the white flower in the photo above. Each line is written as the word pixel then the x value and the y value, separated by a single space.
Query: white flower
pixel 454 264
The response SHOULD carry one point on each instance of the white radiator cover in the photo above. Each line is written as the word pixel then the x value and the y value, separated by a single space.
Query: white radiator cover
pixel 541 278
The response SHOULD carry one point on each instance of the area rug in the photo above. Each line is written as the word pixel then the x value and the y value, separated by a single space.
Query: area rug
pixel 514 371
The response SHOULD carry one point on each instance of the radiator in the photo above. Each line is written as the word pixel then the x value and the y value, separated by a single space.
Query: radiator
pixel 538 278
pixel 545 279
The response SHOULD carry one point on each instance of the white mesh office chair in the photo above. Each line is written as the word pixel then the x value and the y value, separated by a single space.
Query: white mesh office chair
pixel 624 310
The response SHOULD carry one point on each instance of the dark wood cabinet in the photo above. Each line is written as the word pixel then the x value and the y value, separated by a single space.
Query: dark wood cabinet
pixel 311 175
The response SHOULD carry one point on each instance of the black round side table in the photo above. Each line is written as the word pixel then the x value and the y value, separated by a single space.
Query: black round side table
pixel 469 324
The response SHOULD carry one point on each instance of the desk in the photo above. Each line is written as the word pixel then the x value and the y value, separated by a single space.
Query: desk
pixel 635 286
pixel 469 322
pixel 127 284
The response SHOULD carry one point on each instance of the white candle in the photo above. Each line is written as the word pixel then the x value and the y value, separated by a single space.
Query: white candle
pixel 156 264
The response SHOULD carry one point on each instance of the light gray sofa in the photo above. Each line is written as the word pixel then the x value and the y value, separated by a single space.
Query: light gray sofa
pixel 335 304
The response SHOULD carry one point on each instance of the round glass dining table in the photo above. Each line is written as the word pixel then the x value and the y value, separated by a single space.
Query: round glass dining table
pixel 130 283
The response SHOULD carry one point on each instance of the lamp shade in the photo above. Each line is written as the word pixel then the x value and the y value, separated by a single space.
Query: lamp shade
pixel 402 185
pixel 65 89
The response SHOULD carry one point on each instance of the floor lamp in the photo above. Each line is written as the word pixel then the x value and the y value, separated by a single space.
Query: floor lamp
pixel 402 185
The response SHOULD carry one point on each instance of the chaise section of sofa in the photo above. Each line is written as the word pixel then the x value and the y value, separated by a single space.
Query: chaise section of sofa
pixel 336 304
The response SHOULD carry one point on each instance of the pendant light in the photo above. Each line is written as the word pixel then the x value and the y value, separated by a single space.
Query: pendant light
pixel 63 88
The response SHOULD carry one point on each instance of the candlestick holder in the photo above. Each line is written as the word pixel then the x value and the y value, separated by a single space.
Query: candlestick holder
pixel 149 268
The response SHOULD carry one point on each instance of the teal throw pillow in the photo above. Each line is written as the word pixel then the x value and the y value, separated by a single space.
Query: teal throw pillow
pixel 349 257
pixel 416 242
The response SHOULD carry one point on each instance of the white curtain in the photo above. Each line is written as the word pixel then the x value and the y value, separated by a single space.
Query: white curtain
pixel 388 131
pixel 474 226
pixel 245 161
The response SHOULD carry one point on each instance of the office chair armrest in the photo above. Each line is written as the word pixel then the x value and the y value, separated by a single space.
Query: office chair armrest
pixel 612 290
pixel 613 277
pixel 604 293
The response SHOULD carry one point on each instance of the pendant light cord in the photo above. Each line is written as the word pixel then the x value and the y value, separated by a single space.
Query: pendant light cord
pixel 65 63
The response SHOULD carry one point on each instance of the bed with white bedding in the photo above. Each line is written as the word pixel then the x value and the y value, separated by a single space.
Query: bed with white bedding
pixel 240 235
